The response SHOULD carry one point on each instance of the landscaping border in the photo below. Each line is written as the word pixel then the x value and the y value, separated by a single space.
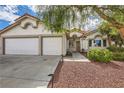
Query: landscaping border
pixel 55 76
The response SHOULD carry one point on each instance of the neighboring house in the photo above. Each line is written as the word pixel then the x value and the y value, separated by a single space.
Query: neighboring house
pixel 28 36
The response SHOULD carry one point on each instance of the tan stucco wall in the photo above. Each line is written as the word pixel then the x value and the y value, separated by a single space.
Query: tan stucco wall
pixel 64 45
pixel 75 33
pixel 0 45
pixel 28 20
pixel 19 30
pixel 31 31
pixel 92 36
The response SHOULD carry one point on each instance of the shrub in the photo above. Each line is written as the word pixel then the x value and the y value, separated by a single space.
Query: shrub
pixel 100 55
pixel 118 56
pixel 116 49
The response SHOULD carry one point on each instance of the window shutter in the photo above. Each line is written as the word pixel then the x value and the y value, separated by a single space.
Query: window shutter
pixel 104 42
pixel 90 43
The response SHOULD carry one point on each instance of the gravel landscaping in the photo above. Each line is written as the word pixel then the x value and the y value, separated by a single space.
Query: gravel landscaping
pixel 90 75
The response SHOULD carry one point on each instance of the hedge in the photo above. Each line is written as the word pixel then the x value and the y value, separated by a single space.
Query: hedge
pixel 116 49
pixel 118 56
pixel 99 55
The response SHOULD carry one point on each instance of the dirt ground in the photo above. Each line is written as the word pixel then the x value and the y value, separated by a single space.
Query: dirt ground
pixel 90 75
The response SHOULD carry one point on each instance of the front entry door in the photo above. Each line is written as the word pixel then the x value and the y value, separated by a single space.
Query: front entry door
pixel 78 46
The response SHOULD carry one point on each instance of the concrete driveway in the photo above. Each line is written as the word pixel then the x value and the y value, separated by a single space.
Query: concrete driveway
pixel 26 71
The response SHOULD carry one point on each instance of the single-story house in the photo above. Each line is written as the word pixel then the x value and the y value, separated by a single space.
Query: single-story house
pixel 28 36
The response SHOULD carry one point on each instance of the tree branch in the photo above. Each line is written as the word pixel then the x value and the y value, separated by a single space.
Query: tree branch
pixel 107 18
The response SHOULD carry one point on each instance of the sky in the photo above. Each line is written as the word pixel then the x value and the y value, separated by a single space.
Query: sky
pixel 8 14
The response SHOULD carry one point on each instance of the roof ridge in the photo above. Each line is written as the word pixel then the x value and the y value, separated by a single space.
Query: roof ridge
pixel 16 22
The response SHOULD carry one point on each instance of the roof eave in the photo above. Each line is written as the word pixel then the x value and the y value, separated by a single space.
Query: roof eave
pixel 17 21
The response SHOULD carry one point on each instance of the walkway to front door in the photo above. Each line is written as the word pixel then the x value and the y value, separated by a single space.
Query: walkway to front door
pixel 77 57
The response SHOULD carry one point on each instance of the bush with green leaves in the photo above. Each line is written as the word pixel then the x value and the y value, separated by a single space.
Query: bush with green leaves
pixel 116 49
pixel 118 56
pixel 99 55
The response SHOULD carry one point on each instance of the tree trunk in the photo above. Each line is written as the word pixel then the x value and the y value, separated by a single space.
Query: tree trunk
pixel 121 31
pixel 109 40
pixel 116 43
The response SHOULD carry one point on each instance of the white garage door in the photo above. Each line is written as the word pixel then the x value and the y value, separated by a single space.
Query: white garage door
pixel 52 46
pixel 25 46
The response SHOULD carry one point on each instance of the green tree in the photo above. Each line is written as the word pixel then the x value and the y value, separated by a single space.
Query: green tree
pixel 105 29
pixel 59 18
pixel 117 39
pixel 111 32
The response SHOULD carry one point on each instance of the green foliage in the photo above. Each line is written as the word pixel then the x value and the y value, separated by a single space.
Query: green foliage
pixel 106 29
pixel 118 56
pixel 62 17
pixel 117 53
pixel 115 49
pixel 111 32
pixel 117 13
pixel 100 55
pixel 58 18
pixel 117 39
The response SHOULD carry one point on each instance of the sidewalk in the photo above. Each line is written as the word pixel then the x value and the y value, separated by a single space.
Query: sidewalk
pixel 77 57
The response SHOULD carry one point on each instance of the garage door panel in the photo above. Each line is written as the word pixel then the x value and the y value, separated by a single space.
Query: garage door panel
pixel 27 46
pixel 52 46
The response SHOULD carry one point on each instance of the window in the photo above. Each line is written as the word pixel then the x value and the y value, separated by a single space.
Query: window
pixel 90 43
pixel 98 43
pixel 104 43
